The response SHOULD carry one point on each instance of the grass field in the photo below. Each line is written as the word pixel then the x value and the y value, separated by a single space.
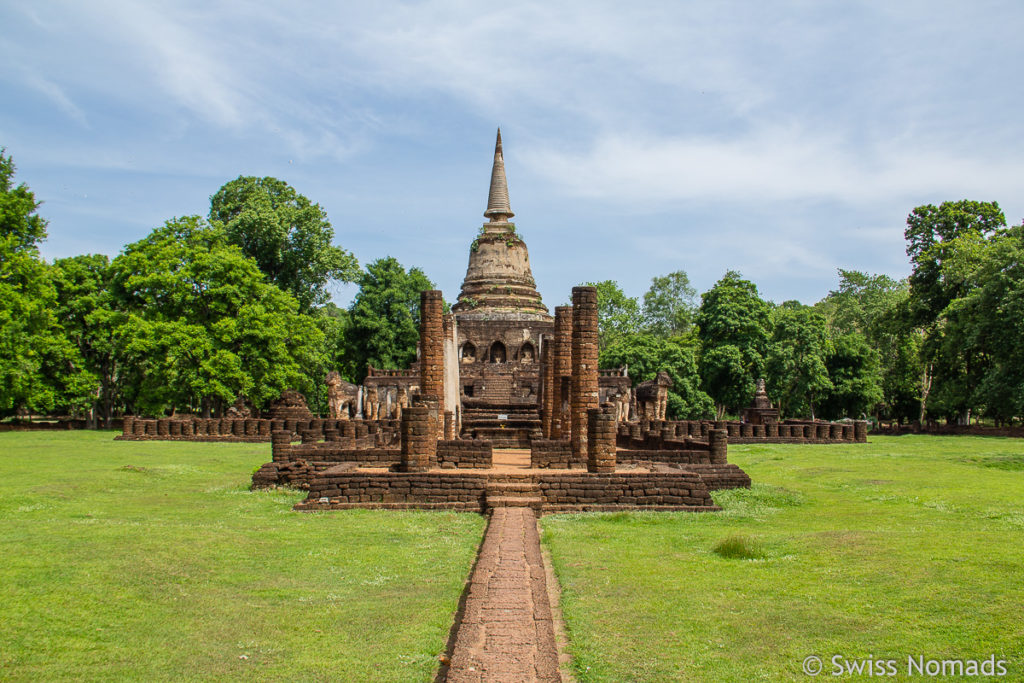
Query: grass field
pixel 906 546
pixel 153 561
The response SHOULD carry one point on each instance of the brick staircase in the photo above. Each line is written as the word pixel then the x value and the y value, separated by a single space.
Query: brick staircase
pixel 514 493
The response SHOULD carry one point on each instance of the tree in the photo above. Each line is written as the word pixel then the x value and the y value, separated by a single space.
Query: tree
pixel 618 315
pixel 92 322
pixel 288 236
pixel 647 354
pixel 853 369
pixel 203 326
pixel 383 325
pixel 797 375
pixel 942 242
pixel 987 321
pixel 875 308
pixel 39 369
pixel 734 325
pixel 669 305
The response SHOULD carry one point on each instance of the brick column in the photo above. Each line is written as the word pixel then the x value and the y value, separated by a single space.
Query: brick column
pixel 584 366
pixel 419 436
pixel 280 442
pixel 860 431
pixel 718 439
pixel 547 382
pixel 432 350
pixel 449 425
pixel 600 440
pixel 561 362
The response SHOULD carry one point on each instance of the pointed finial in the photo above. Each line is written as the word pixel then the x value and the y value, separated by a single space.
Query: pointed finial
pixel 498 209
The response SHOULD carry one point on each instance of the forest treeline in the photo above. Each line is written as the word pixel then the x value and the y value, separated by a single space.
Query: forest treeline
pixel 207 308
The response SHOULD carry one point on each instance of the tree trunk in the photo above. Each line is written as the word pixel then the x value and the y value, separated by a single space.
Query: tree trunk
pixel 926 387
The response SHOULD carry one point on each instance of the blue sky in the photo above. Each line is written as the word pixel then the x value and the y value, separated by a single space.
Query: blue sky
pixel 784 140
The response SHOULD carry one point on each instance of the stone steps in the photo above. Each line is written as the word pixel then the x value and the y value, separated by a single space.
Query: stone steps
pixel 522 493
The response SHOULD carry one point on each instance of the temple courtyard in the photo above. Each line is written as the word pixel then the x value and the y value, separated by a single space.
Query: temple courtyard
pixel 153 560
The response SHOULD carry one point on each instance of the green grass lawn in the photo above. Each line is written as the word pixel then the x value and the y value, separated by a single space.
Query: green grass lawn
pixel 153 561
pixel 902 547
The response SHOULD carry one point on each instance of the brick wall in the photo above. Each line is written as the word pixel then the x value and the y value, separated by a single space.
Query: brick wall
pixel 553 454
pixel 464 454
pixel 339 488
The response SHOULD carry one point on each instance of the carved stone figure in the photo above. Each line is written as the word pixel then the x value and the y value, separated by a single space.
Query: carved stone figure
pixel 652 397
pixel 622 405
pixel 342 396
pixel 371 404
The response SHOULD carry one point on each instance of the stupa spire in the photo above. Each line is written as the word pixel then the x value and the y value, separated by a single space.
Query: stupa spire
pixel 498 209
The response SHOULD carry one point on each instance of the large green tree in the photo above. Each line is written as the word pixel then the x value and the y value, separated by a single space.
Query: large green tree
pixel 287 235
pixel 986 325
pixel 383 322
pixel 944 243
pixel 797 377
pixel 670 304
pixel 203 326
pixel 734 326
pixel 40 370
pixel 875 308
pixel 94 323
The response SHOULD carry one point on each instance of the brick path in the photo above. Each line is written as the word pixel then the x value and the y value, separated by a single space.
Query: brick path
pixel 506 632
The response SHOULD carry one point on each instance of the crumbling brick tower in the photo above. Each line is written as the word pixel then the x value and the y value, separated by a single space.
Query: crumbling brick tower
pixel 584 366
pixel 432 351
pixel 562 366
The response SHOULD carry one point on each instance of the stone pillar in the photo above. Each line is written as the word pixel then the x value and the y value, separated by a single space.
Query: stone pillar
pixel 561 361
pixel 718 439
pixel 449 425
pixel 419 436
pixel 128 426
pixel 584 366
pixel 280 441
pixel 600 440
pixel 547 382
pixel 860 431
pixel 432 351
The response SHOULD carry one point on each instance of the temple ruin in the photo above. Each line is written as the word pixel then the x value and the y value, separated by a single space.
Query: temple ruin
pixel 504 406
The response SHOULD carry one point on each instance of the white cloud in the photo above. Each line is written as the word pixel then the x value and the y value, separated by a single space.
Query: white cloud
pixel 768 164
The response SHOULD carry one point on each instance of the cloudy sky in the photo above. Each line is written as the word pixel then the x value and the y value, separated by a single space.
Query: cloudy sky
pixel 784 140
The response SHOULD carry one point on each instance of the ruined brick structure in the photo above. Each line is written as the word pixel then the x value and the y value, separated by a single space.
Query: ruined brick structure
pixel 502 323
pixel 584 387
pixel 761 411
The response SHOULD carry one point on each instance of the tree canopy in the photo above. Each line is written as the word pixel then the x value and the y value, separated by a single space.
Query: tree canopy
pixel 203 326
pixel 734 325
pixel 287 235
pixel 39 368
pixel 383 320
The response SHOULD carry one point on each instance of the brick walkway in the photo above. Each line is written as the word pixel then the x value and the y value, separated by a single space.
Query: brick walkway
pixel 506 632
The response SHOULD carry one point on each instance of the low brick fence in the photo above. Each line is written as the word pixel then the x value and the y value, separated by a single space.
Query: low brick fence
pixel 649 434
pixel 58 425
pixel 949 430
pixel 365 433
